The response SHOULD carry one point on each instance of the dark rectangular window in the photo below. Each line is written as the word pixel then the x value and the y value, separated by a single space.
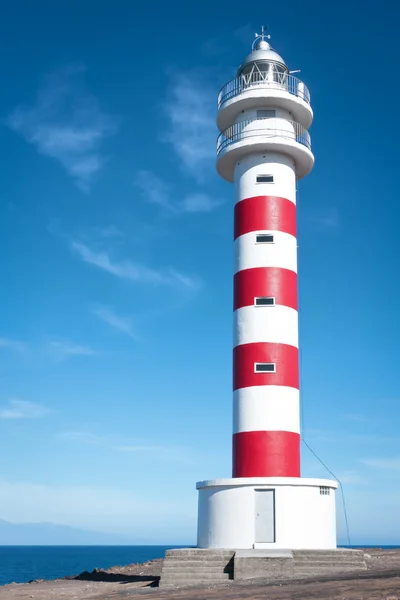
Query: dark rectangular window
pixel 265 179
pixel 264 367
pixel 265 114
pixel 265 238
pixel 264 301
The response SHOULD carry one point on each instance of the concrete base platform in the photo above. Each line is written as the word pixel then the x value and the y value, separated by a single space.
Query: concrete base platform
pixel 254 564
pixel 263 553
pixel 275 565
pixel 196 566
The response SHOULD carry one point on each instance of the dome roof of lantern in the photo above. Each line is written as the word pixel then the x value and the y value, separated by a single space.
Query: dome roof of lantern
pixel 262 52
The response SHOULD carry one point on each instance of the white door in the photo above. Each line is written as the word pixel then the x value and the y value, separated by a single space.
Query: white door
pixel 265 516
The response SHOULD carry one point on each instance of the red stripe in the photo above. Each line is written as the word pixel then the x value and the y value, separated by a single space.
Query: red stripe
pixel 284 356
pixel 266 454
pixel 265 281
pixel 265 212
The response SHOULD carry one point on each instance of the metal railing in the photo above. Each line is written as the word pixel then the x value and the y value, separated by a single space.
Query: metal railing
pixel 270 80
pixel 244 129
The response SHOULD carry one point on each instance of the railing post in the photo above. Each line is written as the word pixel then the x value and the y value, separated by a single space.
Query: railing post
pixel 301 90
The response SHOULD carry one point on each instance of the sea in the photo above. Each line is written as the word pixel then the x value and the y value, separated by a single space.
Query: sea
pixel 21 564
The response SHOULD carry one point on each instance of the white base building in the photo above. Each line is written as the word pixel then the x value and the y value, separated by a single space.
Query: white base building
pixel 283 512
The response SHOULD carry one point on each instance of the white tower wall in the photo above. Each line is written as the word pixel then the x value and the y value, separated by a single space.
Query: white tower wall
pixel 281 166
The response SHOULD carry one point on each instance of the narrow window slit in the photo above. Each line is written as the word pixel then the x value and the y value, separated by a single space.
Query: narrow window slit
pixel 264 238
pixel 264 367
pixel 264 301
pixel 265 179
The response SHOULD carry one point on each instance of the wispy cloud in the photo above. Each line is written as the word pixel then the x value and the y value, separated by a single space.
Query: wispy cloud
pixel 155 191
pixel 122 324
pixel 245 34
pixel 74 505
pixel 357 418
pixel 143 447
pixel 126 269
pixel 155 451
pixel 82 437
pixel 215 46
pixel 225 43
pixel 329 220
pixel 190 109
pixel 49 347
pixel 63 349
pixel 352 478
pixel 349 437
pixel 392 463
pixel 22 409
pixel 200 202
pixel 110 231
pixel 67 124
pixel 14 345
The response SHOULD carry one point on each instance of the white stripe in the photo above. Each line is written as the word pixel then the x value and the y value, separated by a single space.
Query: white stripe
pixel 280 166
pixel 266 408
pixel 275 324
pixel 281 253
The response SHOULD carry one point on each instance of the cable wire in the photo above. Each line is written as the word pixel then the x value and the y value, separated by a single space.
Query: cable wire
pixel 340 485
pixel 302 425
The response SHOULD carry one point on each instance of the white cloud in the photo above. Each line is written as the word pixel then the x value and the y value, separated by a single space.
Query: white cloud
pixel 120 323
pixel 191 131
pixel 346 437
pixel 62 349
pixel 227 43
pixel 82 437
pixel 215 46
pixel 190 108
pixel 22 409
pixel 146 448
pixel 81 506
pixel 58 349
pixel 155 191
pixel 154 451
pixel 195 203
pixel 383 463
pixel 357 418
pixel 67 124
pixel 126 269
pixel 245 34
pixel 111 231
pixel 352 478
pixel 14 345
pixel 329 220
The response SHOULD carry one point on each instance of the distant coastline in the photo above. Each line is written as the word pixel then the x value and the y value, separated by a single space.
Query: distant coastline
pixel 21 564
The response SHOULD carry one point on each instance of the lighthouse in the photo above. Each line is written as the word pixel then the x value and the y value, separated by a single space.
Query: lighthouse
pixel 264 149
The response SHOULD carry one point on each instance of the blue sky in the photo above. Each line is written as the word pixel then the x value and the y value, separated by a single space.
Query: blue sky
pixel 116 270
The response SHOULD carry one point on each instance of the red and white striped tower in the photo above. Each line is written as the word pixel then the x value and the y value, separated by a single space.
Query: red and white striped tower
pixel 272 136
pixel 263 149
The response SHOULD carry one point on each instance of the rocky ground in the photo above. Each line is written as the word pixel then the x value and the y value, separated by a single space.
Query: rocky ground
pixel 380 582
